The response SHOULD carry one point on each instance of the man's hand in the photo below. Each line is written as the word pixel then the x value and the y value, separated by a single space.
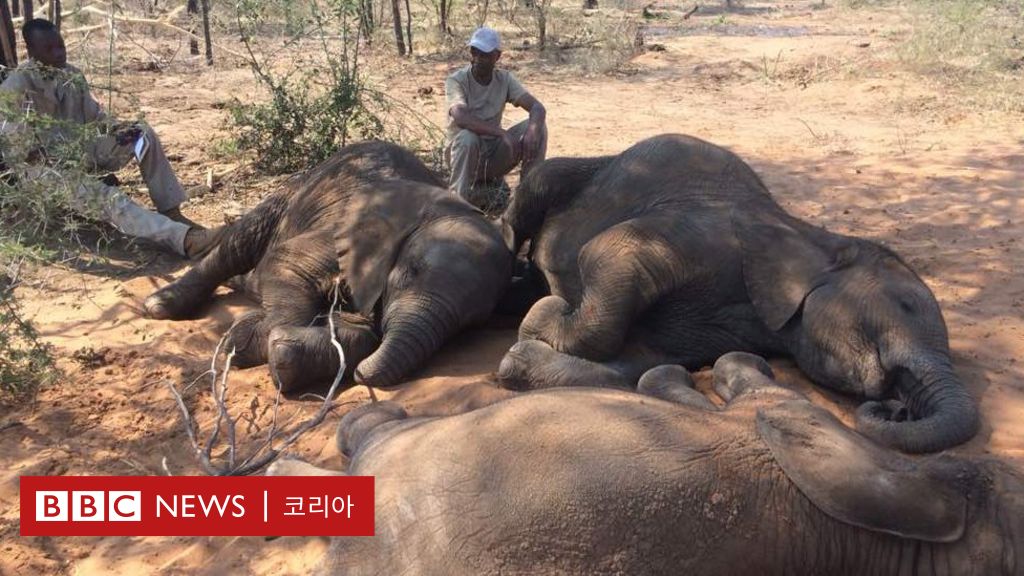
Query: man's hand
pixel 531 143
pixel 127 134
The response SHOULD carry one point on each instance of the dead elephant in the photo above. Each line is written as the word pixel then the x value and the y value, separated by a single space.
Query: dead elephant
pixel 604 481
pixel 413 264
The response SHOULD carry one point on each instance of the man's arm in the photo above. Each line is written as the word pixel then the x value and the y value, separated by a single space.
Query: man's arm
pixel 538 113
pixel 534 130
pixel 463 119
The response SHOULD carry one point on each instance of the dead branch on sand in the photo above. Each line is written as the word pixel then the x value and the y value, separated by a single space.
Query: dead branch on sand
pixel 266 452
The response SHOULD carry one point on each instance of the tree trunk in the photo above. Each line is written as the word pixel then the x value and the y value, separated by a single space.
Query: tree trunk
pixel 366 23
pixel 26 9
pixel 15 9
pixel 542 23
pixel 408 25
pixel 8 52
pixel 442 16
pixel 396 12
pixel 55 13
pixel 206 32
pixel 193 11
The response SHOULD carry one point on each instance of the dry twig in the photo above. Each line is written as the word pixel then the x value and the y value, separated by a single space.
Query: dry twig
pixel 266 452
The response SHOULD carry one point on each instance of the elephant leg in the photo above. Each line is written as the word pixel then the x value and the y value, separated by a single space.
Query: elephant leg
pixel 296 286
pixel 238 250
pixel 623 271
pixel 248 339
pixel 305 355
pixel 532 365
pixel 739 375
pixel 673 383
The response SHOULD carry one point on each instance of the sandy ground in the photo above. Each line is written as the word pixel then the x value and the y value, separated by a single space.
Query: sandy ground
pixel 811 98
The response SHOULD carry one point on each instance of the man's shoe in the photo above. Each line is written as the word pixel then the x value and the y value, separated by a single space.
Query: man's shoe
pixel 200 241
pixel 176 215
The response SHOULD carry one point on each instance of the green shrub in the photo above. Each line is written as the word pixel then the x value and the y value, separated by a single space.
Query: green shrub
pixel 26 364
pixel 319 100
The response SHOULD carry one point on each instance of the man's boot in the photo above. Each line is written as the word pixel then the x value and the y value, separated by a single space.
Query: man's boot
pixel 176 215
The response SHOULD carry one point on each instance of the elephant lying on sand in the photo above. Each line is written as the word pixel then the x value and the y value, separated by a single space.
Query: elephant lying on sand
pixel 605 481
pixel 674 252
pixel 416 264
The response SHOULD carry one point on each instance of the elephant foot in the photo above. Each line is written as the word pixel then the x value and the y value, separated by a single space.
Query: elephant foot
pixel 357 424
pixel 248 339
pixel 532 364
pixel 673 383
pixel 544 320
pixel 172 302
pixel 298 358
pixel 737 373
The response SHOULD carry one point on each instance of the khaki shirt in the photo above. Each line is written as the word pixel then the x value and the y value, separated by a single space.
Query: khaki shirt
pixel 485 103
pixel 61 94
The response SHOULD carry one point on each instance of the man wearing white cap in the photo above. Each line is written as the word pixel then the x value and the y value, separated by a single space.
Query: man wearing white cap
pixel 481 151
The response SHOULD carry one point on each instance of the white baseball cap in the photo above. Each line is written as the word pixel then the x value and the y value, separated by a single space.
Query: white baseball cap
pixel 485 39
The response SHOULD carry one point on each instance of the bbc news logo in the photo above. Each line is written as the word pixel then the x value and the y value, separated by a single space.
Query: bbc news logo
pixel 88 506
pixel 197 506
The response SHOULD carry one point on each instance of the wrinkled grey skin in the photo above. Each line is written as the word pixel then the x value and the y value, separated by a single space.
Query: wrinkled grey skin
pixel 674 252
pixel 604 481
pixel 416 265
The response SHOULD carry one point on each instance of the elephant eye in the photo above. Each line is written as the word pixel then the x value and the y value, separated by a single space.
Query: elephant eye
pixel 907 306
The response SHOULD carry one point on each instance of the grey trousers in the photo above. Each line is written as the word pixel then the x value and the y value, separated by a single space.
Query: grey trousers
pixel 105 154
pixel 94 198
pixel 476 159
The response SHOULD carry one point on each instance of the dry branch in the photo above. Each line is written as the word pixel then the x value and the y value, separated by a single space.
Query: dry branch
pixel 162 22
pixel 266 452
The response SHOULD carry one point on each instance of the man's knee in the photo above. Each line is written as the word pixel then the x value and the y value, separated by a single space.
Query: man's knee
pixel 465 140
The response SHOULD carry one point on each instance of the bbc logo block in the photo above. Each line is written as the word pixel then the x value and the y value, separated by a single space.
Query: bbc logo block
pixel 196 506
pixel 88 506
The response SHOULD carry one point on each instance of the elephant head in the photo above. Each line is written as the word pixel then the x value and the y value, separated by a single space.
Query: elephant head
pixel 856 318
pixel 427 270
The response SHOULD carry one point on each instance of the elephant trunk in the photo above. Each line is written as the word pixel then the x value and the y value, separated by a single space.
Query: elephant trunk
pixel 414 328
pixel 941 414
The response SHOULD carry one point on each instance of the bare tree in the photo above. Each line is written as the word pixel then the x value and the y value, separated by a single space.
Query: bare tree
pixel 15 9
pixel 367 24
pixel 396 12
pixel 206 32
pixel 8 53
pixel 26 9
pixel 193 10
pixel 444 12
pixel 540 17
pixel 55 13
pixel 408 25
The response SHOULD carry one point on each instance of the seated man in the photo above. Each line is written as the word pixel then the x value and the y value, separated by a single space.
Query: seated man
pixel 480 150
pixel 47 85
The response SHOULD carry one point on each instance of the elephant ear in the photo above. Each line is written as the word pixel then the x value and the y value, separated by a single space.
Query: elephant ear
pixel 857 482
pixel 373 229
pixel 781 266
